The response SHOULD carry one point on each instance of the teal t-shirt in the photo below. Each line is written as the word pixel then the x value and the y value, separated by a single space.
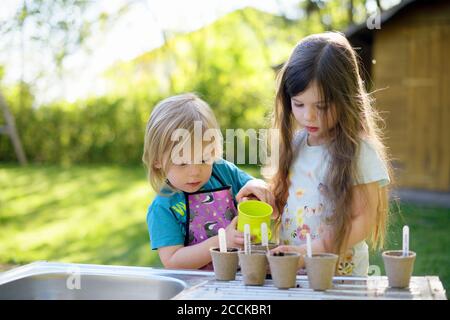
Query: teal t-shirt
pixel 166 217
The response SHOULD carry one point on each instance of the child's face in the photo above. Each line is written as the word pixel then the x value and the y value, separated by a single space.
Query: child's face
pixel 311 113
pixel 191 173
pixel 189 177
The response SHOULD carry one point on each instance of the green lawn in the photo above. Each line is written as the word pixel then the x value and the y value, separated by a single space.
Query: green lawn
pixel 96 214
pixel 429 238
pixel 80 214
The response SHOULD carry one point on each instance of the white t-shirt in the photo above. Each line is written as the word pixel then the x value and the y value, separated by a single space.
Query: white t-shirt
pixel 306 208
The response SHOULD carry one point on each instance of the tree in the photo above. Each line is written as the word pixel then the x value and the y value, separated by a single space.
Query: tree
pixel 336 14
pixel 58 28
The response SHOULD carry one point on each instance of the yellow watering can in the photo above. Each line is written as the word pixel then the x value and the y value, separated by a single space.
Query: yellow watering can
pixel 254 212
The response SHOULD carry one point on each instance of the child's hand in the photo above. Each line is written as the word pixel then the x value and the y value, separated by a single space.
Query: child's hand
pixel 257 189
pixel 235 239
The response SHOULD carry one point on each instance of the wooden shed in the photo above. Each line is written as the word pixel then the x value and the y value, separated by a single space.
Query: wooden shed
pixel 408 61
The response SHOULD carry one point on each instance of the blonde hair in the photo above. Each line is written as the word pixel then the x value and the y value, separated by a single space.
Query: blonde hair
pixel 329 60
pixel 173 113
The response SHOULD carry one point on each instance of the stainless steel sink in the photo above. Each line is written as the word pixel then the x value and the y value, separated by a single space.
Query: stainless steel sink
pixel 86 282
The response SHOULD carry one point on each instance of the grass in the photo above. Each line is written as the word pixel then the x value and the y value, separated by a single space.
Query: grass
pixel 82 214
pixel 429 238
pixel 96 214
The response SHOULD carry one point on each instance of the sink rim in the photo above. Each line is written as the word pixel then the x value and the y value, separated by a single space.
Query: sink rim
pixel 39 268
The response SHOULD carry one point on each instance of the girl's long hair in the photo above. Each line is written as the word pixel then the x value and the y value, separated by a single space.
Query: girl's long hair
pixel 329 61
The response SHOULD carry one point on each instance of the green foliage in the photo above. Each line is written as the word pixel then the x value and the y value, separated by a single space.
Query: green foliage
pixel 334 14
pixel 234 74
pixel 229 63
pixel 99 130
pixel 58 27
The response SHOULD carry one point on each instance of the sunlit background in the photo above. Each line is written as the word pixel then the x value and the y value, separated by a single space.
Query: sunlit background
pixel 140 27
